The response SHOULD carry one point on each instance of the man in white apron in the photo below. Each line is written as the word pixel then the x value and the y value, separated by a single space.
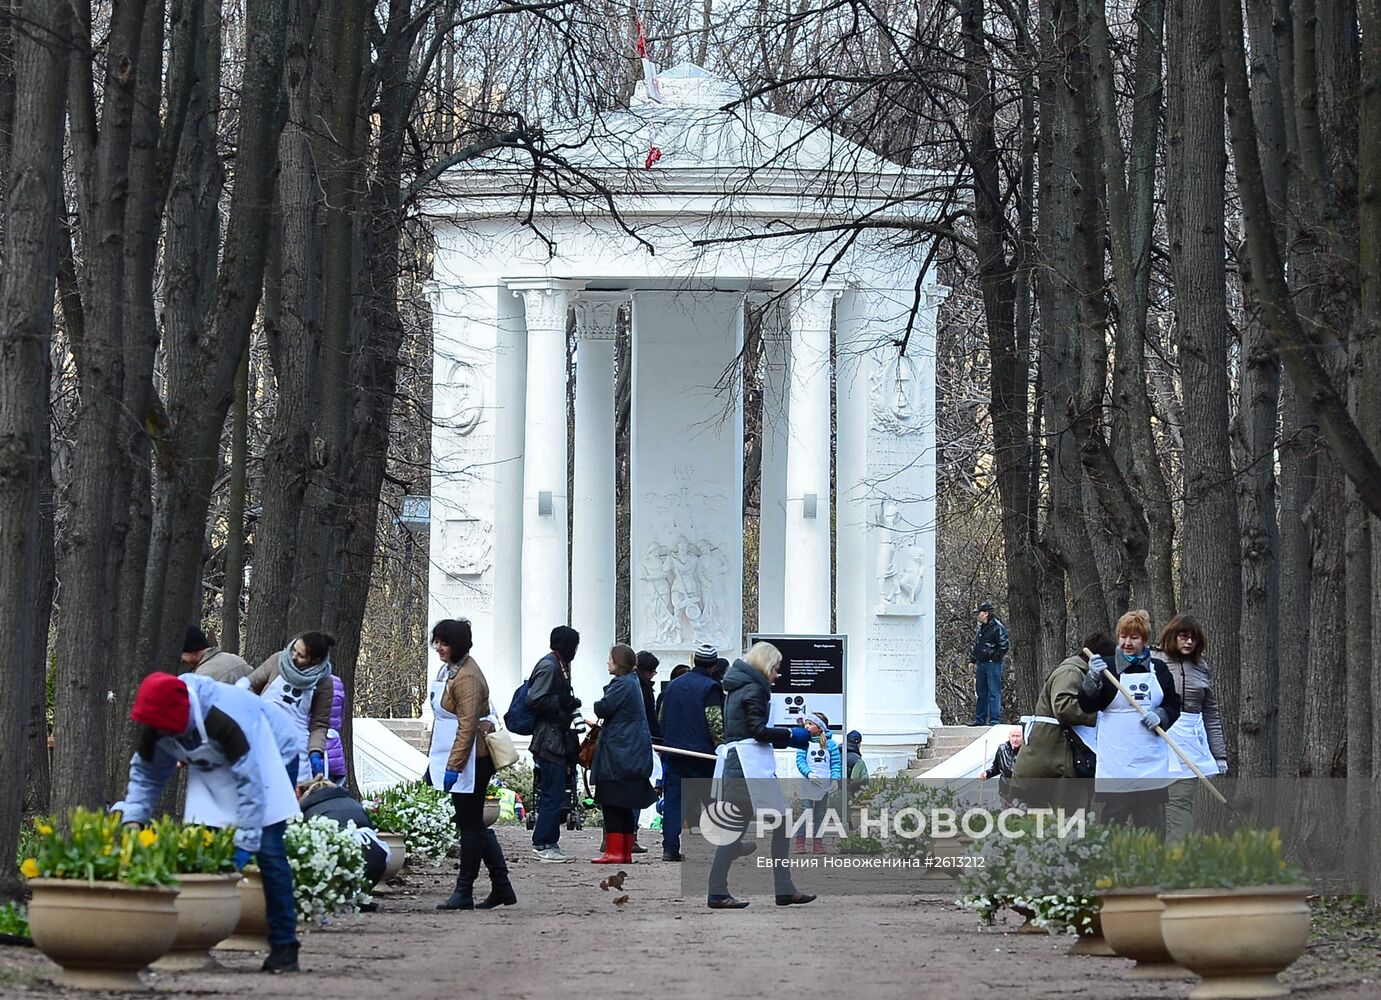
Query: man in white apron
pixel 237 775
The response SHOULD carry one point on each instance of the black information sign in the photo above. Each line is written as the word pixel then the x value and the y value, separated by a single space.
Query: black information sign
pixel 812 678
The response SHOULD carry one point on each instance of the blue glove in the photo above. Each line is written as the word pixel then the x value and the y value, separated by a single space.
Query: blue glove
pixel 451 778
pixel 318 762
pixel 800 737
pixel 242 858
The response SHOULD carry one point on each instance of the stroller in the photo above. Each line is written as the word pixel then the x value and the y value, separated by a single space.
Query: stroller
pixel 573 810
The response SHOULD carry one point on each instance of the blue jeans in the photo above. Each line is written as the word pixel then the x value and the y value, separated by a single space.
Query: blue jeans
pixel 551 800
pixel 279 906
pixel 988 683
pixel 671 807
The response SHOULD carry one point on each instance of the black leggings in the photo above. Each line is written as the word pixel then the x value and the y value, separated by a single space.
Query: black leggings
pixel 469 806
pixel 618 819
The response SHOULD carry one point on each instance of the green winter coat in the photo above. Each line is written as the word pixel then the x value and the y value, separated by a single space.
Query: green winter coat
pixel 1046 754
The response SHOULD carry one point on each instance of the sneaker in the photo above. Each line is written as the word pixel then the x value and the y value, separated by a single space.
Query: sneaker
pixel 553 855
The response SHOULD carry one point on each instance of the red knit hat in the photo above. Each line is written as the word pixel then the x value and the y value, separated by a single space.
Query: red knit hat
pixel 162 703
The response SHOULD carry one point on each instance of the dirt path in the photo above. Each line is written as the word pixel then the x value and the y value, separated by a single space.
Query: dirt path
pixel 663 945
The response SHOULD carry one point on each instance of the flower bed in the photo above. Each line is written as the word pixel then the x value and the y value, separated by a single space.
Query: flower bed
pixel 328 868
pixel 96 847
pixel 419 811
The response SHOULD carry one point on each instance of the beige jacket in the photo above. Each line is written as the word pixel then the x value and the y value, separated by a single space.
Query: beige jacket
pixel 467 698
pixel 222 666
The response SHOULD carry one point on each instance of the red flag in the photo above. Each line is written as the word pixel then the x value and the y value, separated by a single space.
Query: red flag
pixel 653 155
pixel 649 68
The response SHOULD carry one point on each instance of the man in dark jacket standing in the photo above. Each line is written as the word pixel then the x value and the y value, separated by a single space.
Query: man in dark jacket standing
pixel 554 745
pixel 1003 762
pixel 990 647
pixel 689 704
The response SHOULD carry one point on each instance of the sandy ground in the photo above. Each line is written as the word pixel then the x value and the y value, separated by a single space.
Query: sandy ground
pixel 662 943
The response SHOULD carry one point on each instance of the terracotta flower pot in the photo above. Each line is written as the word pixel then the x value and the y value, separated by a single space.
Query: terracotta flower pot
pixel 208 909
pixel 1092 942
pixel 491 811
pixel 1237 940
pixel 252 930
pixel 1131 925
pixel 101 933
pixel 397 853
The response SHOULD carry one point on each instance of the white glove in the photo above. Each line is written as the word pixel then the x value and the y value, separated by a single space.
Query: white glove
pixel 815 779
pixel 833 786
pixel 1097 664
pixel 1222 765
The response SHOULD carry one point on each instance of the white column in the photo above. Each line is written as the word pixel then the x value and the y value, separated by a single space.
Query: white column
pixel 776 360
pixel 593 562
pixel 545 577
pixel 807 603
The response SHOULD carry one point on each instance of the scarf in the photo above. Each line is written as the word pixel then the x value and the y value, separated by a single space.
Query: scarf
pixel 306 678
pixel 1125 661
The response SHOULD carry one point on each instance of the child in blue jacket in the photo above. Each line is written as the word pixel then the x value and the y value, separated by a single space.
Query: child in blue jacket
pixel 821 764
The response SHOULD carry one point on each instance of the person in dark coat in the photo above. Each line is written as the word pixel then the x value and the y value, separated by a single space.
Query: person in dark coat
pixel 623 757
pixel 555 746
pixel 691 706
pixel 748 773
pixel 323 797
pixel 676 671
pixel 990 647
pixel 647 673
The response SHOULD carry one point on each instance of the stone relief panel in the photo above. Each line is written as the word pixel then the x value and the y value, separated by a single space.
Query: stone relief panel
pixel 467 546
pixel 895 394
pixel 900 564
pixel 460 399
pixel 685 574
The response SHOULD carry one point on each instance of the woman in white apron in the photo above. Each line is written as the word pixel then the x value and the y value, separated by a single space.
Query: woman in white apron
pixel 1199 729
pixel 463 767
pixel 1133 762
pixel 297 680
pixel 745 775
pixel 237 775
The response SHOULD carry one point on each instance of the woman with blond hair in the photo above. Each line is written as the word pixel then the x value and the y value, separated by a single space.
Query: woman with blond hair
pixel 1133 761
pixel 746 775
pixel 1199 731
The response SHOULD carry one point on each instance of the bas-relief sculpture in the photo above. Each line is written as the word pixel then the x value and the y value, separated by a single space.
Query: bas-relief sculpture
pixel 900 564
pixel 467 546
pixel 461 399
pixel 895 392
pixel 684 575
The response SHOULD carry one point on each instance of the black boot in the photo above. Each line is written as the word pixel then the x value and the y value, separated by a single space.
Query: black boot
pixel 501 889
pixel 471 852
pixel 282 958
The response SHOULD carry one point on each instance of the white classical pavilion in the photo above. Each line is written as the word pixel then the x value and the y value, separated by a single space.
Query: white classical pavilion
pixel 680 245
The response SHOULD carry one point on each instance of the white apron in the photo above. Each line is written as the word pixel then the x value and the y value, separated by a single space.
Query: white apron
pixel 1131 758
pixel 297 702
pixel 445 725
pixel 1191 736
pixel 818 759
pixel 212 798
pixel 759 763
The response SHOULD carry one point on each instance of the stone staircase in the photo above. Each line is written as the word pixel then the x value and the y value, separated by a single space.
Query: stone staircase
pixel 413 732
pixel 945 742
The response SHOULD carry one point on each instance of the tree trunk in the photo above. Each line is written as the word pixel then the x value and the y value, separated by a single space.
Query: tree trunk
pixel 32 182
pixel 203 359
pixel 293 328
pixel 96 518
pixel 235 512
pixel 1258 409
pixel 1210 553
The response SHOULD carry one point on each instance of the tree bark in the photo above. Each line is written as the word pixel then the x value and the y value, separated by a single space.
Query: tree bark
pixel 1210 553
pixel 93 537
pixel 32 183
pixel 235 512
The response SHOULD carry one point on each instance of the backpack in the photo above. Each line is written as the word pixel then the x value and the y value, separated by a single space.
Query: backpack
pixel 519 718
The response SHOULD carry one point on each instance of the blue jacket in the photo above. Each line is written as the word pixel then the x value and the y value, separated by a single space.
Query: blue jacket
pixel 836 757
pixel 624 750
pixel 683 710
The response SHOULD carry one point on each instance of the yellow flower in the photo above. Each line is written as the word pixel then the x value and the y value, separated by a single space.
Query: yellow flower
pixel 148 838
pixel 1177 853
pixel 29 869
pixel 1282 864
pixel 1103 883
pixel 207 838
pixel 43 828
